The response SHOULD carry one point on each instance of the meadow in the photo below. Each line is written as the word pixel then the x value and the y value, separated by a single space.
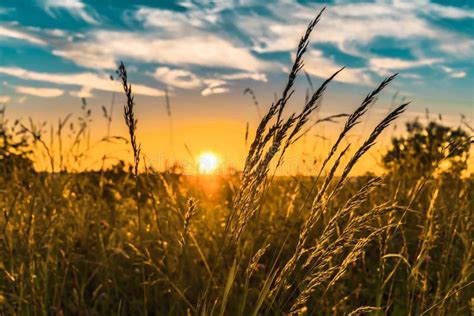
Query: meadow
pixel 130 240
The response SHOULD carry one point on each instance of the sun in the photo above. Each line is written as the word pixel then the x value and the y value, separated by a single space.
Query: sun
pixel 208 162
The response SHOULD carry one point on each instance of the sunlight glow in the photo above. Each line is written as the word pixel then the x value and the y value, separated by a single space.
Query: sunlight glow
pixel 208 162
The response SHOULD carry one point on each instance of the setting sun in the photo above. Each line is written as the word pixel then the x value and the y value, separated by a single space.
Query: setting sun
pixel 208 162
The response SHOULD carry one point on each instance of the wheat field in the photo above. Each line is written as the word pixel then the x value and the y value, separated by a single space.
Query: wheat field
pixel 130 240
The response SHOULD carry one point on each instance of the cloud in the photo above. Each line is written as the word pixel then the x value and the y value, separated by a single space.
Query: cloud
pixel 177 78
pixel 384 66
pixel 214 86
pixel 40 92
pixel 85 92
pixel 85 79
pixel 351 27
pixel 102 49
pixel 185 79
pixel 217 90
pixel 460 49
pixel 345 25
pixel 4 99
pixel 233 40
pixel 55 32
pixel 214 83
pixel 411 76
pixel 176 22
pixel 20 35
pixel 447 11
pixel 453 73
pixel 245 75
pixel 318 65
pixel 75 7
pixel 170 38
pixel 458 74
pixel 397 63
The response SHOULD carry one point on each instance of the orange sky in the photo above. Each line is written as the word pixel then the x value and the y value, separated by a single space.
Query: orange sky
pixel 219 133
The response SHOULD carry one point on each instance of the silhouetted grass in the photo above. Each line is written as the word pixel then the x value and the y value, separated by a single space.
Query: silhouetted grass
pixel 122 242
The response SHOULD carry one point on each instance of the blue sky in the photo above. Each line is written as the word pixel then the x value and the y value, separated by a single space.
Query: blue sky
pixel 54 52
pixel 57 50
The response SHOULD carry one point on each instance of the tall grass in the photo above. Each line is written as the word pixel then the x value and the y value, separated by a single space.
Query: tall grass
pixel 136 243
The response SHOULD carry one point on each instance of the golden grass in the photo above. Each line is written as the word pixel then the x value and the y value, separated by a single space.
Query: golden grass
pixel 114 242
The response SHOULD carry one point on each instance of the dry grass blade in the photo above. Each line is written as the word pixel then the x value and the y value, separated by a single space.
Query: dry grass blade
pixel 303 117
pixel 131 122
pixel 370 142
pixel 309 223
pixel 330 118
pixel 253 265
pixel 318 206
pixel 191 211
pixel 129 115
pixel 254 99
pixel 364 310
pixel 298 64
pixel 354 118
pixel 257 163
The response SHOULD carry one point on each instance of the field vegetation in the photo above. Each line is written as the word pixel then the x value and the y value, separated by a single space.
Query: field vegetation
pixel 130 240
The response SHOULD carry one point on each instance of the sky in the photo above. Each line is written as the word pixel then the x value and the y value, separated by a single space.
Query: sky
pixel 206 53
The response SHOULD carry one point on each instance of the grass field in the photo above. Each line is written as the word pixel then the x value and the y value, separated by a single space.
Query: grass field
pixel 128 240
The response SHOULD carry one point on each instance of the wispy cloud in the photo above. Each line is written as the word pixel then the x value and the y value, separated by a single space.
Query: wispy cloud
pixel 319 65
pixel 84 92
pixel 397 63
pixel 193 20
pixel 352 26
pixel 184 79
pixel 411 76
pixel 245 75
pixel 222 41
pixel 177 78
pixel 10 32
pixel 40 92
pixel 102 49
pixel 170 38
pixel 75 7
pixel 214 86
pixel 384 65
pixel 85 79
pixel 460 49
pixel 347 26
pixel 443 11
pixel 453 73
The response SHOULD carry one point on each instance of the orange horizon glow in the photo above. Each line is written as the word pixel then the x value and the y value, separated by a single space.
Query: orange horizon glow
pixel 182 147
